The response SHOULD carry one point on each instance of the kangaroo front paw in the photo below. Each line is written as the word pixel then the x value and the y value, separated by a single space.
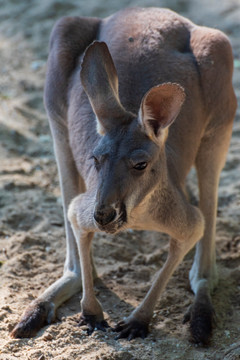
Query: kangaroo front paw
pixel 93 323
pixel 131 329
pixel 202 318
pixel 37 315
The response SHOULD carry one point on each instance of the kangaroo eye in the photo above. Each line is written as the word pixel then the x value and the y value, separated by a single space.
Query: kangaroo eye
pixel 96 162
pixel 140 166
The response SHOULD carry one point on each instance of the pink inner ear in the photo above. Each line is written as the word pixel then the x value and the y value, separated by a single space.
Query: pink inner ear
pixel 161 105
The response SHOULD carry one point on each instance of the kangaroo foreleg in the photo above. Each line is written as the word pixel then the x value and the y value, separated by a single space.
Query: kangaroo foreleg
pixel 137 323
pixel 92 314
pixel 184 234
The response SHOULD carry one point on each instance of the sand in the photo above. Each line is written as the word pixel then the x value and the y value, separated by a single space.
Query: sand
pixel 32 240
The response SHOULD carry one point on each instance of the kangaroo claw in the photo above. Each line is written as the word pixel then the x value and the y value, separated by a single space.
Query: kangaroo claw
pixel 131 329
pixel 92 323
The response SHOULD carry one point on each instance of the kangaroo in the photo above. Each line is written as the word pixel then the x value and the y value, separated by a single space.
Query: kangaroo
pixel 134 101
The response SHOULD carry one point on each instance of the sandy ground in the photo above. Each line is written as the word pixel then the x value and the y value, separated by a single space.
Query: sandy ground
pixel 32 241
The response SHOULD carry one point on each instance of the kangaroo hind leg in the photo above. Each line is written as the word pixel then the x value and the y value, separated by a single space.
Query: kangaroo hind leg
pixel 42 310
pixel 69 39
pixel 203 274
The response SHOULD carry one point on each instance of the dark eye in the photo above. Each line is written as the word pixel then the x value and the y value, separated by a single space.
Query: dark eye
pixel 140 166
pixel 96 162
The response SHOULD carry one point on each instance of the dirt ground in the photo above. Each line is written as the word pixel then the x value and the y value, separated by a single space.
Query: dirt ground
pixel 32 241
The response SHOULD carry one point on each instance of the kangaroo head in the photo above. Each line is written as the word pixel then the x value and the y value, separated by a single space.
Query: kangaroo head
pixel 129 158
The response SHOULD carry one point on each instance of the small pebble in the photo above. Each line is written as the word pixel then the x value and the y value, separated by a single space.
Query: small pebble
pixel 47 337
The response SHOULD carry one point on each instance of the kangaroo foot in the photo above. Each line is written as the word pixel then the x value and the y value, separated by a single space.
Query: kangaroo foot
pixel 131 329
pixel 92 323
pixel 201 316
pixel 37 315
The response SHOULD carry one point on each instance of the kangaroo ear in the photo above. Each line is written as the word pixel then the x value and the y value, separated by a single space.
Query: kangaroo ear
pixel 100 82
pixel 159 108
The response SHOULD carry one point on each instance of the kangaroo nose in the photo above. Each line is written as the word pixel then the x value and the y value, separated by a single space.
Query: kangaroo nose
pixel 104 214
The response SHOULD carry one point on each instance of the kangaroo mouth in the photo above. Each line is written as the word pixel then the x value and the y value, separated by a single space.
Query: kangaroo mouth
pixel 117 224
